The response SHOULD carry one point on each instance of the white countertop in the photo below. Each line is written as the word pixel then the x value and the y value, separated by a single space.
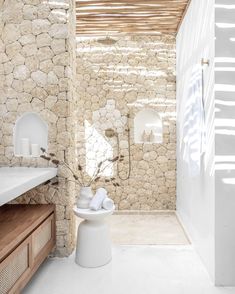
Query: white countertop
pixel 15 181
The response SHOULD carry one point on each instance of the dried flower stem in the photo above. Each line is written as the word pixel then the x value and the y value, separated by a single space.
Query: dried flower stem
pixel 82 176
pixel 81 180
pixel 99 173
pixel 74 174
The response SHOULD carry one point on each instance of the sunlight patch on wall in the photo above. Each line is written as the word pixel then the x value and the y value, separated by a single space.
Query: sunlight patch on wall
pixel 229 181
pixel 97 150
pixel 224 122
pixel 225 6
pixel 225 88
pixel 224 60
pixel 225 25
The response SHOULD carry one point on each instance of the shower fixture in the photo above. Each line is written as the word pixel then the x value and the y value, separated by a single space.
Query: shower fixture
pixel 205 62
pixel 111 133
pixel 107 41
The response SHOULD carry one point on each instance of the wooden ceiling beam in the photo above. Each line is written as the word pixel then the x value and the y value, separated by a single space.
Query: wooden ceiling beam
pixel 133 21
pixel 133 2
pixel 127 25
pixel 183 15
pixel 94 33
pixel 122 16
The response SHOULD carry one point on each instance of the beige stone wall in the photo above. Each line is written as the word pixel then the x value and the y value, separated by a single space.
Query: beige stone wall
pixel 113 80
pixel 37 58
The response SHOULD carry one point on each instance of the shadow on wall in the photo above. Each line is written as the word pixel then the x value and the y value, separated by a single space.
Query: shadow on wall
pixel 224 92
pixel 225 142
pixel 97 150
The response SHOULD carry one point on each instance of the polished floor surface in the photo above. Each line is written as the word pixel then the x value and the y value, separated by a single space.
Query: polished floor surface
pixel 134 269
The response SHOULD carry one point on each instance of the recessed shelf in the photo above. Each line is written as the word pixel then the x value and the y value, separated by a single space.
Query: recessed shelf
pixel 148 127
pixel 29 135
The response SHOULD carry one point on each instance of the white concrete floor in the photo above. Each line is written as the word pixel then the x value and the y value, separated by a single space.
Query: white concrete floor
pixel 133 270
pixel 136 268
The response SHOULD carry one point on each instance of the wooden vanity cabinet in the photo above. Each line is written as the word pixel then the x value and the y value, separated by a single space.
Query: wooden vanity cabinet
pixel 27 236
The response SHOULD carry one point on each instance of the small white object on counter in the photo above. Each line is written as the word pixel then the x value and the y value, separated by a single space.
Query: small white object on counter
pixel 25 147
pixel 35 150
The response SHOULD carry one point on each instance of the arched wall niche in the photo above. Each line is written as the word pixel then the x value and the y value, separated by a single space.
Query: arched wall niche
pixel 32 127
pixel 148 127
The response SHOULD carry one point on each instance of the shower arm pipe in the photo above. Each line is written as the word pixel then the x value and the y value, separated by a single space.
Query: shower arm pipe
pixel 110 133
pixel 129 152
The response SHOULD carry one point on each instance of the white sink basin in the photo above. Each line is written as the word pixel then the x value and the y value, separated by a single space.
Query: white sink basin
pixel 15 181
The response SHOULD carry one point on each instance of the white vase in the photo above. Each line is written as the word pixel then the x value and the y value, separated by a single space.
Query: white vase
pixel 84 197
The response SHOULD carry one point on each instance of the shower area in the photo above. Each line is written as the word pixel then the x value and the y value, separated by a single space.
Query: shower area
pixel 126 95
pixel 123 85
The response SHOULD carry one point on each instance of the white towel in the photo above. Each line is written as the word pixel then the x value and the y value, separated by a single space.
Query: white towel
pixel 97 200
pixel 193 123
pixel 108 204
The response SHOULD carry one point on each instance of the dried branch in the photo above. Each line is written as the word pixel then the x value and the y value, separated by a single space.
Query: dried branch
pixel 81 173
pixel 79 178
pixel 57 162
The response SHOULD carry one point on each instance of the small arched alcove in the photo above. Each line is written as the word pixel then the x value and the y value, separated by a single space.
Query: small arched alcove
pixel 148 127
pixel 30 129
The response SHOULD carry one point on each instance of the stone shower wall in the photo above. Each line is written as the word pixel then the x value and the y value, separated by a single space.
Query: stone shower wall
pixel 113 80
pixel 37 70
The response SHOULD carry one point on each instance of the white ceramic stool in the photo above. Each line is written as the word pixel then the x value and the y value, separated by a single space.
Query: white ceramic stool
pixel 93 240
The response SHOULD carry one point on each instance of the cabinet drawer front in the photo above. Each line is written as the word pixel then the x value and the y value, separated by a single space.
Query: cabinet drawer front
pixel 42 236
pixel 14 268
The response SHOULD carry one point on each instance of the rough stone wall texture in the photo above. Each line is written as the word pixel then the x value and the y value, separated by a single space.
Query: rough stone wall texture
pixel 37 57
pixel 137 72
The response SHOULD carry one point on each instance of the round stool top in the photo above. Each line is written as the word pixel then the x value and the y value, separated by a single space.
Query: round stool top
pixel 89 214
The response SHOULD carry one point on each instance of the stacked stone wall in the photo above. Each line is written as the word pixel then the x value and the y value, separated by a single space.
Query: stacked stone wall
pixel 135 73
pixel 37 68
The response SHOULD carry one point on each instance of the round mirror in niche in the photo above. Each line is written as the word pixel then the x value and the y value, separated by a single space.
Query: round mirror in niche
pixel 148 127
pixel 29 135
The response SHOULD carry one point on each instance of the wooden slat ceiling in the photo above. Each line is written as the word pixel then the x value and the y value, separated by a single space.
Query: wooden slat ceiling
pixel 102 17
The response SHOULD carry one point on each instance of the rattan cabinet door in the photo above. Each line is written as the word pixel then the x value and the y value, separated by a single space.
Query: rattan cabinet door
pixel 15 268
pixel 42 237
